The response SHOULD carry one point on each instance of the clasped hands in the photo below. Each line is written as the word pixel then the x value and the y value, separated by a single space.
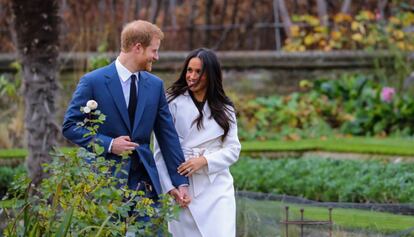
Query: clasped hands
pixel 187 168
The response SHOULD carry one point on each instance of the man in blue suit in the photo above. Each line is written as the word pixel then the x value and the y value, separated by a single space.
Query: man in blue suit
pixel 134 103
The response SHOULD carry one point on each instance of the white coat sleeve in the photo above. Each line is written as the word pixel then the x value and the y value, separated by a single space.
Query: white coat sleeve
pixel 165 180
pixel 229 152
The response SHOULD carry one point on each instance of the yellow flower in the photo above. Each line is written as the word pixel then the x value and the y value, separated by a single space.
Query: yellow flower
pixel 341 17
pixel 401 45
pixel 357 37
pixel 320 29
pixel 146 201
pixel 301 48
pixel 368 15
pixel 309 39
pixel 305 84
pixel 336 35
pixel 295 30
pixel 355 25
pixel 313 21
pixel 398 34
pixel 111 207
pixel 394 20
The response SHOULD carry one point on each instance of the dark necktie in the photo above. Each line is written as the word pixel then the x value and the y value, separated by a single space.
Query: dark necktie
pixel 132 100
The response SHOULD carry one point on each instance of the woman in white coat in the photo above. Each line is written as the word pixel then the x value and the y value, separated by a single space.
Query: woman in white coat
pixel 205 121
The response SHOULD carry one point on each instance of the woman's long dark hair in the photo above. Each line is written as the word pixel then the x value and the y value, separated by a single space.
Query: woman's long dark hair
pixel 220 105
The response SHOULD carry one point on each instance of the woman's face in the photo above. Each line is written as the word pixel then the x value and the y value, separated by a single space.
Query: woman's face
pixel 197 83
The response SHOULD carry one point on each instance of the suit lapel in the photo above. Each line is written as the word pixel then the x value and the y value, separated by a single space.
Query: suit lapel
pixel 142 97
pixel 115 89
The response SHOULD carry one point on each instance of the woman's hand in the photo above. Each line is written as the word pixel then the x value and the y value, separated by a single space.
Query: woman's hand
pixel 192 165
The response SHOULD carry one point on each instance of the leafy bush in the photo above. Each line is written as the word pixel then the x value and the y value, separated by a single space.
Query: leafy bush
pixel 352 104
pixel 6 177
pixel 328 180
pixel 364 31
pixel 284 117
pixel 83 197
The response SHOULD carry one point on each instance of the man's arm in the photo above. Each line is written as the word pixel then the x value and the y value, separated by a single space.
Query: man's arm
pixel 168 141
pixel 73 115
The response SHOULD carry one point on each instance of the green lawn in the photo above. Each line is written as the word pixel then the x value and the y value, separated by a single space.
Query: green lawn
pixel 344 219
pixel 21 153
pixel 384 146
pixel 381 146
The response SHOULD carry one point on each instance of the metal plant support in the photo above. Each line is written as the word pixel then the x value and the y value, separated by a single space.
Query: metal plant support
pixel 302 222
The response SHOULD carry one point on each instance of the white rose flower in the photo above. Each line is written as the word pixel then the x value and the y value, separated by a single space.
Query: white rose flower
pixel 86 110
pixel 91 104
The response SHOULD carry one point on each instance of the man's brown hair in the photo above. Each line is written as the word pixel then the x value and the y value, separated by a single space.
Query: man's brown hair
pixel 139 31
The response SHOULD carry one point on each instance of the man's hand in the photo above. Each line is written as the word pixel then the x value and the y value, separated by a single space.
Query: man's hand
pixel 192 165
pixel 122 144
pixel 186 199
pixel 181 196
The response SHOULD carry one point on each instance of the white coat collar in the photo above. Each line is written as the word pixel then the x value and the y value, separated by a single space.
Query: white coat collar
pixel 211 130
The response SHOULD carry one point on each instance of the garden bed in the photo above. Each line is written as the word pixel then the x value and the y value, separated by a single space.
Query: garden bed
pixel 328 180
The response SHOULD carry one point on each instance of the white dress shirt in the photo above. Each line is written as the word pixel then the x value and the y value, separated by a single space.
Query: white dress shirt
pixel 125 78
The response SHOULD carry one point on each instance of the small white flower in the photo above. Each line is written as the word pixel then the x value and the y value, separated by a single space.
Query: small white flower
pixel 91 104
pixel 86 110
pixel 398 160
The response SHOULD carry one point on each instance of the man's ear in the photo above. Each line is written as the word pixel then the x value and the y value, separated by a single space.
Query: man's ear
pixel 138 47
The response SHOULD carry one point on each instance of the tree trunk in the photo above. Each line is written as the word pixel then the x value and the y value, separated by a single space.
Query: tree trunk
pixel 37 30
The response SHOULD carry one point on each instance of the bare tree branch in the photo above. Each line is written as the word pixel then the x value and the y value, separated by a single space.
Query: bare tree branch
pixel 287 23
pixel 209 10
pixel 277 30
pixel 322 12
pixel 172 7
pixel 191 18
pixel 155 9
pixel 127 4
pixel 137 8
pixel 381 6
pixel 346 5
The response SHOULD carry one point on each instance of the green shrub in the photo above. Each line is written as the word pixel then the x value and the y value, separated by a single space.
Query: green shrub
pixel 6 177
pixel 352 104
pixel 83 197
pixel 328 180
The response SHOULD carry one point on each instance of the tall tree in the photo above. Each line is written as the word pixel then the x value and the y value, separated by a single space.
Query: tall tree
pixel 37 30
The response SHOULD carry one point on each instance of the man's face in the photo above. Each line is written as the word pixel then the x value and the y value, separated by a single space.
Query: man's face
pixel 148 55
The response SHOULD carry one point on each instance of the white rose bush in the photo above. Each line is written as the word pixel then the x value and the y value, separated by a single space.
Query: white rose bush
pixel 83 197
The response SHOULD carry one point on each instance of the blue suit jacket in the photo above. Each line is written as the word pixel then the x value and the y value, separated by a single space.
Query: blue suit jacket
pixel 152 114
